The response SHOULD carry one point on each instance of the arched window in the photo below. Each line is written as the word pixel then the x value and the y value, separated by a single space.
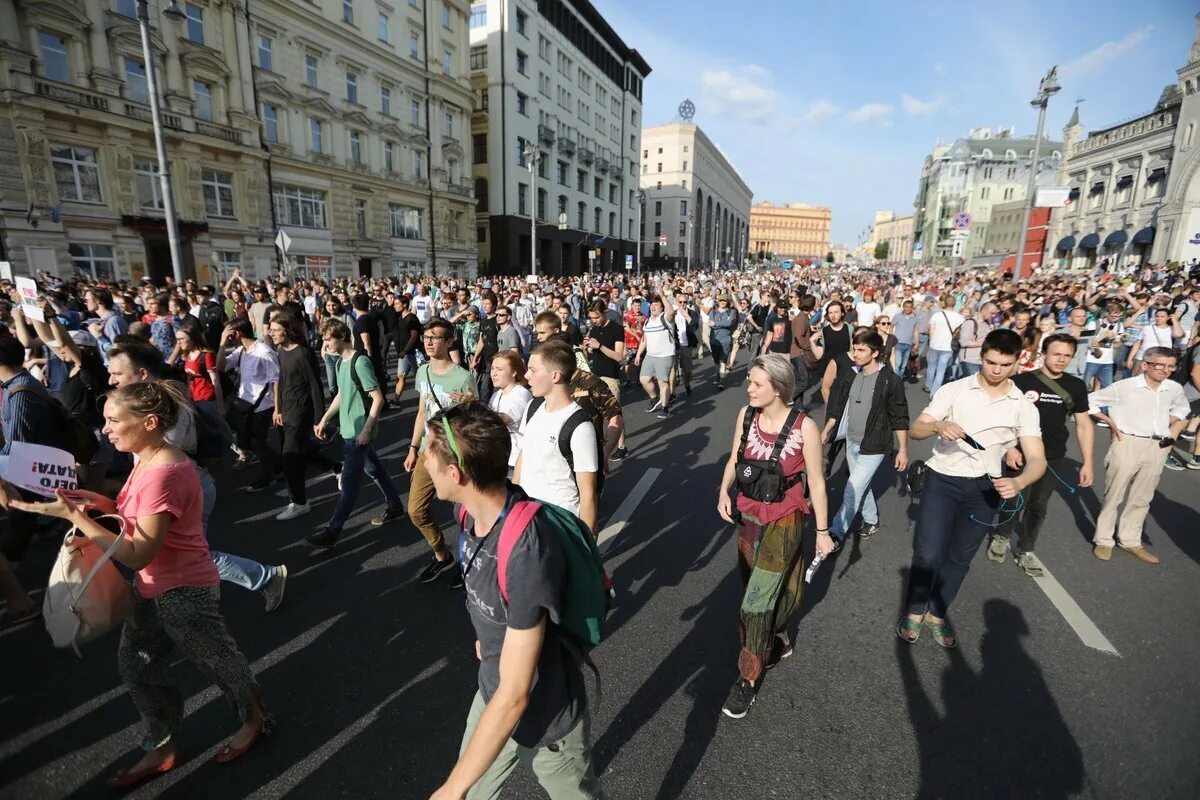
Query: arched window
pixel 1188 133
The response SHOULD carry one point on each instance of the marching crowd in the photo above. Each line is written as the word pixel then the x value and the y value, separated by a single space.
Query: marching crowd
pixel 165 396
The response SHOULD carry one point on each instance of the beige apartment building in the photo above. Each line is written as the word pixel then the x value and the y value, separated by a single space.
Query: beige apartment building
pixel 896 232
pixel 338 122
pixel 795 231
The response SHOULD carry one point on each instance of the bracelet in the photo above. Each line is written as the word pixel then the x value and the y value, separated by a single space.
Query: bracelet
pixel 413 447
pixel 823 530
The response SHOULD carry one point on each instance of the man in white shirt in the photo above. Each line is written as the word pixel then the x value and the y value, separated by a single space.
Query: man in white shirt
pixel 943 324
pixel 543 469
pixel 423 305
pixel 1145 415
pixel 656 357
pixel 867 309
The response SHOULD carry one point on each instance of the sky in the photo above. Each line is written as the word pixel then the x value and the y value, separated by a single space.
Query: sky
pixel 837 104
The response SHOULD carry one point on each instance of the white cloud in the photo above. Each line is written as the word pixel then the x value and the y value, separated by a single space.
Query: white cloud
pixel 1099 59
pixel 739 93
pixel 920 108
pixel 821 110
pixel 869 112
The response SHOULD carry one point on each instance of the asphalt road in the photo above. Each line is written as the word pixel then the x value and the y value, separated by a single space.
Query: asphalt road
pixel 370 674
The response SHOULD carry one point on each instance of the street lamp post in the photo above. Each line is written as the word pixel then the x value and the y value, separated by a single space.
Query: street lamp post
pixel 637 259
pixel 160 144
pixel 687 253
pixel 533 157
pixel 1046 89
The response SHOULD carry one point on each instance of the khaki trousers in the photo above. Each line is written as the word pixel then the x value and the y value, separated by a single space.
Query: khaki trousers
pixel 1132 470
pixel 420 508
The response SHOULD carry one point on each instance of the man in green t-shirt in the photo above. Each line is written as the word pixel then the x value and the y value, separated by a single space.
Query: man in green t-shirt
pixel 357 405
pixel 443 385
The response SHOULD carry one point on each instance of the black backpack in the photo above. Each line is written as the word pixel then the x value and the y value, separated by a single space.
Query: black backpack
pixel 580 417
pixel 764 481
pixel 212 322
pixel 73 435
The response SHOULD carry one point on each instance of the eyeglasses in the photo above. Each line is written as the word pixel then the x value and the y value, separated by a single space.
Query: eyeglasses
pixel 883 324
pixel 1158 364
pixel 432 338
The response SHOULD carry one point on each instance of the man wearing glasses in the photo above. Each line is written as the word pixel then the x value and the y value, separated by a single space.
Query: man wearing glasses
pixel 1145 415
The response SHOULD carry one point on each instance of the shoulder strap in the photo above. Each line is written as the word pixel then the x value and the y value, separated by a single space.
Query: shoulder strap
pixel 518 519
pixel 793 417
pixel 533 406
pixel 747 421
pixel 355 379
pixel 568 430
pixel 1057 389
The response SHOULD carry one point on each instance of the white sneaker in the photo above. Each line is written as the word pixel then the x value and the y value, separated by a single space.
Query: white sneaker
pixel 292 511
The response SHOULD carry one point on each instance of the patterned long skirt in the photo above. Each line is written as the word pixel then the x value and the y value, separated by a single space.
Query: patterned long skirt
pixel 186 621
pixel 768 561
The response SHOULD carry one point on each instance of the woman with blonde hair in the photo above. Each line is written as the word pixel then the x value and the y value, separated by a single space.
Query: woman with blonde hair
pixel 512 396
pixel 775 448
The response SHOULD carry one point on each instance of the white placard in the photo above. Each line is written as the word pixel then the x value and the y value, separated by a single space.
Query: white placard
pixel 27 288
pixel 41 469
pixel 6 270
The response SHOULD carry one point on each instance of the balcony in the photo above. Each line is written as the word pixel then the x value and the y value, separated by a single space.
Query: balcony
pixel 219 131
pixel 566 147
pixel 52 90
pixel 546 134
pixel 586 156
pixel 462 189
pixel 602 166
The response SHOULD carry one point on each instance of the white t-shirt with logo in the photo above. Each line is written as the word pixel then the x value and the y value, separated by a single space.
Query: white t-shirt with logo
pixel 659 343
pixel 422 306
pixel 942 325
pixel 545 474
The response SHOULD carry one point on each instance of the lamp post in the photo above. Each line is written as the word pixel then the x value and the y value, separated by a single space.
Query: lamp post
pixel 1046 89
pixel 533 156
pixel 172 13
pixel 637 259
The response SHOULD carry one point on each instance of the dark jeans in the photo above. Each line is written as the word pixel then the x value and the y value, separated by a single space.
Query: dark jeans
pixel 952 522
pixel 1028 523
pixel 21 525
pixel 357 459
pixel 252 428
pixel 803 376
pixel 299 450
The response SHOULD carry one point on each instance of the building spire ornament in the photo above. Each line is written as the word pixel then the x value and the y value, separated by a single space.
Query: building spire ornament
pixel 687 110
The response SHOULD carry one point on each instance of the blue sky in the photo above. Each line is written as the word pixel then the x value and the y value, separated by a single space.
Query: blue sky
pixel 837 103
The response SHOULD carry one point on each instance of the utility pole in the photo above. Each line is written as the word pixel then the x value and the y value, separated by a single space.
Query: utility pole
pixel 1046 89
pixel 533 157
pixel 637 259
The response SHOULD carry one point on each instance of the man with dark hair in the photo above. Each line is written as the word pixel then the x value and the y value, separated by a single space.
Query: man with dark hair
pixel 252 407
pixel 605 346
pixel 800 349
pixel 110 324
pixel 976 420
pixel 368 334
pixel 1057 396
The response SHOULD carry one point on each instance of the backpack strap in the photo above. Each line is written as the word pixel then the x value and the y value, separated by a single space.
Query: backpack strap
pixel 792 418
pixel 747 421
pixel 568 430
pixel 366 396
pixel 518 519
pixel 533 406
pixel 1057 389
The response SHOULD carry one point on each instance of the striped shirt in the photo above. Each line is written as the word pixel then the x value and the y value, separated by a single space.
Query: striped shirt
pixel 26 418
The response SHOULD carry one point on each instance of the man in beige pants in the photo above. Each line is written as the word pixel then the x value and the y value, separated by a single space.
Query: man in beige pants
pixel 1145 414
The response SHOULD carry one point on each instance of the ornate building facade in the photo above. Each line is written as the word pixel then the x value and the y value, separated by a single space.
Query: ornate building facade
pixel 795 231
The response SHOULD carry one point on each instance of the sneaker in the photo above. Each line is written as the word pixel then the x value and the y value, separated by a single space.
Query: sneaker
pixel 620 454
pixel 741 697
pixel 720 385
pixel 387 516
pixel 1174 464
pixel 434 568
pixel 688 390
pixel 456 579
pixel 867 531
pixel 664 413
pixel 243 461
pixel 1030 563
pixel 1188 435
pixel 292 511
pixel 654 404
pixel 260 485
pixel 998 550
pixel 337 476
pixel 781 648
pixel 1102 423
pixel 1194 463
pixel 273 591
pixel 326 538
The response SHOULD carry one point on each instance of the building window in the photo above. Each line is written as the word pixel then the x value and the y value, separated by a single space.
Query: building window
pixel 683 208
pixel 385 100
pixel 562 204
pixel 414 45
pixel 447 63
pixel 418 165
pixel 356 147
pixel 127 8
pixel 451 171
pixel 1008 193
pixel 218 193
pixel 480 235
pixel 479 148
pixel 204 100
pixel 581 217
pixel 581 180
pixel 226 261
pixel 446 15
pixel 543 47
pixel 384 33
pixel 415 113
pixel 55 64
pixel 404 222
pixel 659 167
pixel 195 22
pixel 304 208
pixel 560 173
pixel 685 166
pixel 316 136
pixel 310 71
pixel 92 259
pixel 448 125
pixel 135 81
pixel 597 188
pixel 658 208
pixel 479 57
pixel 645 169
pixel 985 193
pixel 522 104
pixel 596 213
pixel 360 218
pixel 612 193
pixel 351 87
pixel 264 51
pixel 541 204
pixel 389 156
pixel 76 173
pixel 522 21
pixel 479 15
pixel 683 229
pixel 149 188
pixel 348 11
pixel 657 228
pixel 522 62
pixel 270 122
pixel 521 152
pixel 523 199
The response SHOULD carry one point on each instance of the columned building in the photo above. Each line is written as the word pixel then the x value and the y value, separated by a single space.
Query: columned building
pixel 340 124
pixel 552 76
pixel 697 208
pixel 795 231
pixel 895 232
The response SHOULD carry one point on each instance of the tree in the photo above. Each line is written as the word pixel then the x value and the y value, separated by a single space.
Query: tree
pixel 881 251
pixel 829 257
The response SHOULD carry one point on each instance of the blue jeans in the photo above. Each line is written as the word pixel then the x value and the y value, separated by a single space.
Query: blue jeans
pixel 232 569
pixel 903 353
pixel 331 365
pixel 953 521
pixel 357 459
pixel 858 492
pixel 939 361
pixel 1119 355
pixel 1102 372
pixel 968 369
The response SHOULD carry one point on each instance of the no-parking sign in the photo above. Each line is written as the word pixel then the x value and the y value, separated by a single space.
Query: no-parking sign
pixel 961 221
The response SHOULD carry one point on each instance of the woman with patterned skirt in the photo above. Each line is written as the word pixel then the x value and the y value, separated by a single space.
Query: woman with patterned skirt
pixel 770 533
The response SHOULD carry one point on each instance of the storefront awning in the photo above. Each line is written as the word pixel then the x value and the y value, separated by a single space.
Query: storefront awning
pixel 1066 243
pixel 1144 236
pixel 1090 242
pixel 1116 239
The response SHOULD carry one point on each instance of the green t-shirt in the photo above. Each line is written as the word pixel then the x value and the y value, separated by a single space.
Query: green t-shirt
pixel 435 389
pixel 353 407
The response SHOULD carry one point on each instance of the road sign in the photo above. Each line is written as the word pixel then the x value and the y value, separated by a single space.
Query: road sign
pixel 662 240
pixel 961 221
pixel 562 221
pixel 283 242
pixel 918 250
pixel 629 262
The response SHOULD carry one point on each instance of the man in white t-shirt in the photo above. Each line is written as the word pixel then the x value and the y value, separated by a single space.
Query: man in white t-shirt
pixel 542 470
pixel 423 305
pixel 656 357
pixel 867 309
pixel 943 324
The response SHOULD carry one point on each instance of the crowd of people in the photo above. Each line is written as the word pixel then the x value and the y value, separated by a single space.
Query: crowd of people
pixel 522 387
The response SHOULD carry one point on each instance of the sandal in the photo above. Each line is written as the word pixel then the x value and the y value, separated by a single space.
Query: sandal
pixel 942 633
pixel 127 778
pixel 907 626
pixel 230 753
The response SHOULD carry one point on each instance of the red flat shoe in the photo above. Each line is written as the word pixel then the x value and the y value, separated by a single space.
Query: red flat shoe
pixel 229 753
pixel 127 778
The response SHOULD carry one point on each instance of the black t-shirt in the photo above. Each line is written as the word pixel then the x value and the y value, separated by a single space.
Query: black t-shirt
pixel 299 389
pixel 405 325
pixel 608 335
pixel 391 320
pixel 367 323
pixel 835 341
pixel 1052 409
pixel 488 331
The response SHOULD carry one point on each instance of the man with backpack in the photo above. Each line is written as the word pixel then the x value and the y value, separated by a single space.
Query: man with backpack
pixel 943 325
pixel 536 598
pixel 212 318
pixel 560 456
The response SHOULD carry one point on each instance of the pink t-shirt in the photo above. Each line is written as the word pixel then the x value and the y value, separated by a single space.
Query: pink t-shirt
pixel 183 559
pixel 759 446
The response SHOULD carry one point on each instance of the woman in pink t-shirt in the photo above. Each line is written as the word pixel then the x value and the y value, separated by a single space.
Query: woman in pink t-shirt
pixel 176 606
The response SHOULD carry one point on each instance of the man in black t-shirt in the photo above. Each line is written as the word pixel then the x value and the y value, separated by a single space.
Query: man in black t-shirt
pixel 408 338
pixel 605 345
pixel 368 334
pixel 1057 396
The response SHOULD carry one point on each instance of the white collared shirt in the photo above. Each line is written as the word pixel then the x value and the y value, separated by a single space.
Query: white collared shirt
pixel 1139 410
pixel 996 423
pixel 257 369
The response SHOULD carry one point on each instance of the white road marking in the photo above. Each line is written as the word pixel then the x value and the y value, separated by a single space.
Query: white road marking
pixel 1080 622
pixel 624 512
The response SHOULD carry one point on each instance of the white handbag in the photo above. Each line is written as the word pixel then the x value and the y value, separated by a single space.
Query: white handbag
pixel 86 596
